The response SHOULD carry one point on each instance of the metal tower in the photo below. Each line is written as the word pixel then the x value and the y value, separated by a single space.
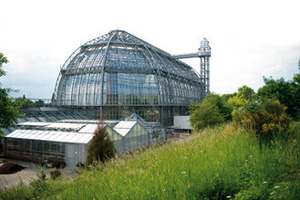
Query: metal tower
pixel 204 53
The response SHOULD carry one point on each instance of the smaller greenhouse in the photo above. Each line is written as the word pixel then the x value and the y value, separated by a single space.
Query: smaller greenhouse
pixel 129 136
pixel 67 142
pixel 37 145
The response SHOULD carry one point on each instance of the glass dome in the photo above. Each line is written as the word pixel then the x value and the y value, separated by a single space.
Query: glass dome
pixel 119 72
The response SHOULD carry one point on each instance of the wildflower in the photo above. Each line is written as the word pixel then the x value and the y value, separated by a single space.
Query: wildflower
pixel 183 172
pixel 229 197
pixel 271 193
pixel 265 182
pixel 277 186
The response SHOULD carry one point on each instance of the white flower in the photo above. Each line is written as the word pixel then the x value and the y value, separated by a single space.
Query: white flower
pixel 277 186
pixel 229 197
pixel 265 182
pixel 183 172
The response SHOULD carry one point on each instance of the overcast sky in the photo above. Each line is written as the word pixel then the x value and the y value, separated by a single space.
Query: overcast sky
pixel 249 39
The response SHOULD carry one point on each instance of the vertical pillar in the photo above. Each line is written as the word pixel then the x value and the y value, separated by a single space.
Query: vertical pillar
pixel 204 54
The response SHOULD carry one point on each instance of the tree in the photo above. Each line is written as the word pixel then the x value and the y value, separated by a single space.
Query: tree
pixel 294 108
pixel 205 114
pixel 288 93
pixel 265 118
pixel 3 60
pixel 213 110
pixel 236 101
pixel 23 103
pixel 246 92
pixel 39 103
pixel 224 108
pixel 8 111
pixel 244 95
pixel 101 147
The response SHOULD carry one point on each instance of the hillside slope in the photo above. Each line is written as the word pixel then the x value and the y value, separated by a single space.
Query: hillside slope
pixel 219 163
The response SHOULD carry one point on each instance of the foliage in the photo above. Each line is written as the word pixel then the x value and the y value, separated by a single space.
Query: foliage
pixel 41 174
pixel 237 101
pixel 8 112
pixel 244 95
pixel 218 163
pixel 225 97
pixel 294 108
pixel 246 92
pixel 213 110
pixel 3 60
pixel 222 105
pixel 204 115
pixel 55 173
pixel 101 147
pixel 266 118
pixel 23 103
pixel 288 93
pixel 294 129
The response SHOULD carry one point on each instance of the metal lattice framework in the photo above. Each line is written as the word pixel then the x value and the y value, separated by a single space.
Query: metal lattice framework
pixel 116 73
pixel 204 53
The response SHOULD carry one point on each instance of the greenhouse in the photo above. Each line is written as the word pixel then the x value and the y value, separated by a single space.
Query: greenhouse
pixel 67 142
pixel 129 136
pixel 117 73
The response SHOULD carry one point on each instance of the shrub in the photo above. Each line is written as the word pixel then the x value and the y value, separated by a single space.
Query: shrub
pixel 204 115
pixel 287 92
pixel 101 146
pixel 236 101
pixel 41 174
pixel 246 92
pixel 212 111
pixel 264 119
pixel 224 108
pixel 294 129
pixel 55 173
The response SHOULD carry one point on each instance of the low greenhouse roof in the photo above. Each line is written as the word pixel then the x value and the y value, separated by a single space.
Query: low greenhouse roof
pixel 123 127
pixel 89 128
pixel 51 125
pixel 65 132
pixel 52 136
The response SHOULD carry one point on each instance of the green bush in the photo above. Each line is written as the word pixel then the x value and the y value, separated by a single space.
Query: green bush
pixel 101 147
pixel 287 92
pixel 204 115
pixel 55 173
pixel 265 119
pixel 294 129
pixel 212 111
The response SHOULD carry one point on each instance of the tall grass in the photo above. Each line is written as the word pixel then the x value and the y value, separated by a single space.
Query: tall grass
pixel 219 163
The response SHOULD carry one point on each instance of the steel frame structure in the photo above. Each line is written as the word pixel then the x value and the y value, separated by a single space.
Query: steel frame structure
pixel 204 53
pixel 112 75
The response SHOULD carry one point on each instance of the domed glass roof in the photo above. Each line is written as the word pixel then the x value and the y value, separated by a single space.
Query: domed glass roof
pixel 121 69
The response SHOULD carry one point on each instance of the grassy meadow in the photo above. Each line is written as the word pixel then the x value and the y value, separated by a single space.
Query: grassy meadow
pixel 216 163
